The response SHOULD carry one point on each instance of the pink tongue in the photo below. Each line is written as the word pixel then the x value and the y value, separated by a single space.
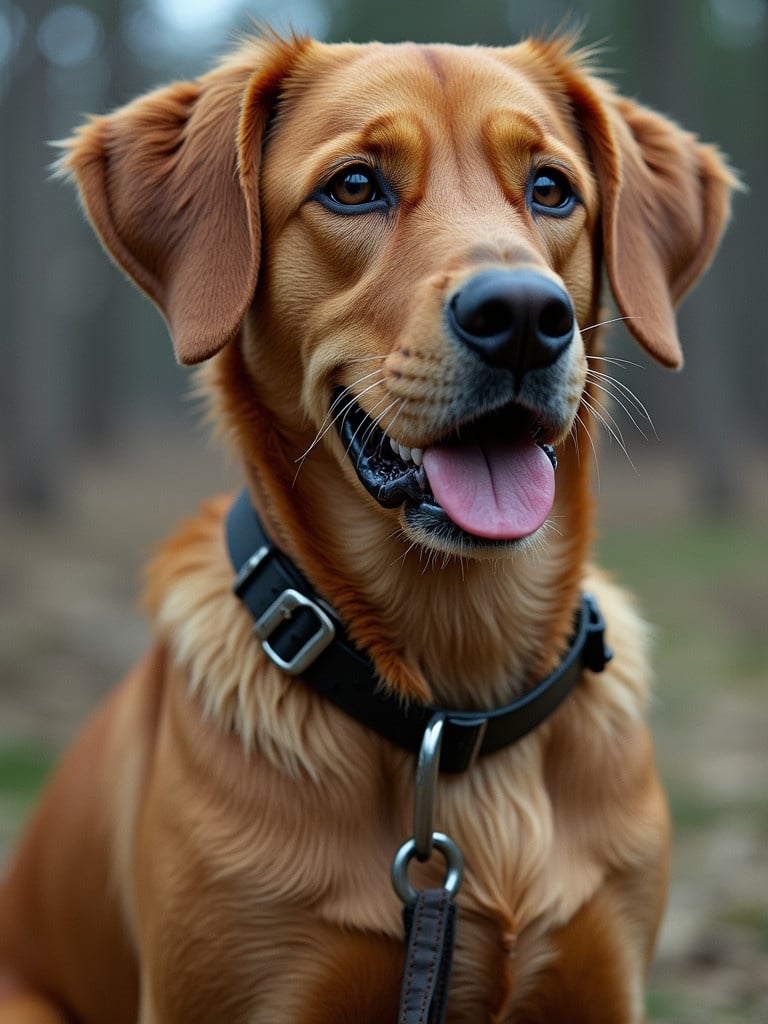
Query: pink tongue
pixel 497 491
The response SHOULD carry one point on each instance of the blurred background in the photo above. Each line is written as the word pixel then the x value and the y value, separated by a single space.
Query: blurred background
pixel 101 449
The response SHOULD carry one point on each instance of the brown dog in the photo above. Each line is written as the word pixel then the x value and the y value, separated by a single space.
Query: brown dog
pixel 391 257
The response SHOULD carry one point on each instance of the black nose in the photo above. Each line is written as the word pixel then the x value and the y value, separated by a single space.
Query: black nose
pixel 518 319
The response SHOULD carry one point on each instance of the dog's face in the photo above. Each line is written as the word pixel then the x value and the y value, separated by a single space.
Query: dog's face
pixel 416 258
pixel 428 261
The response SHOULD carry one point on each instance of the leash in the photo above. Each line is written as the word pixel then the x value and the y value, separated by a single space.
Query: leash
pixel 430 923
pixel 304 637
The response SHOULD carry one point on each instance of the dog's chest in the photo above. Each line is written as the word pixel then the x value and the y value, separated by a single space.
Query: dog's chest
pixel 285 869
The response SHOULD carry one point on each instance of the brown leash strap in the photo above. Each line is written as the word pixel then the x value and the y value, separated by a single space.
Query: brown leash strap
pixel 430 924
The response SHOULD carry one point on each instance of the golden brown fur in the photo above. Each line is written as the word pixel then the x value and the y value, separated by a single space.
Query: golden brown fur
pixel 216 847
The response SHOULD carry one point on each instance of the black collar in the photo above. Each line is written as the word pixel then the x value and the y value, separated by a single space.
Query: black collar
pixel 304 637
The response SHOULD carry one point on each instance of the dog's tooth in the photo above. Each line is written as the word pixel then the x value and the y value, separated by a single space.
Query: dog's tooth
pixel 549 451
pixel 394 446
pixel 417 455
pixel 404 453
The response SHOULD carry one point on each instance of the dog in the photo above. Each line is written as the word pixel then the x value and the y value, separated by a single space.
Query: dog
pixel 390 260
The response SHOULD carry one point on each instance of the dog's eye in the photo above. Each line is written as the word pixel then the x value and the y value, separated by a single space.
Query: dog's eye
pixel 551 192
pixel 354 186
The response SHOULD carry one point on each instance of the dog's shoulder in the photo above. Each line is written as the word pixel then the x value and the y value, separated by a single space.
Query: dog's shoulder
pixel 188 594
pixel 194 549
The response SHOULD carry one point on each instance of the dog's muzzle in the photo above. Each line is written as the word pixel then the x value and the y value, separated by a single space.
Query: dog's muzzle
pixel 490 476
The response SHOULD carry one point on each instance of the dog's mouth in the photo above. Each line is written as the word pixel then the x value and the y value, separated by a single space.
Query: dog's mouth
pixel 493 478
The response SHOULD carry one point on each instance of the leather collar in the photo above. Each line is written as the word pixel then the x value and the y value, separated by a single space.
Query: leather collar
pixel 304 637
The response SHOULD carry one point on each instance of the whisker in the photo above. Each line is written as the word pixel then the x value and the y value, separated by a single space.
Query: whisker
pixel 604 417
pixel 394 418
pixel 331 416
pixel 336 415
pixel 373 425
pixel 380 417
pixel 539 542
pixel 614 360
pixel 348 391
pixel 604 323
pixel 609 380
pixel 617 399
pixel 348 394
pixel 587 431
pixel 355 399
pixel 607 420
pixel 637 405
pixel 366 359
pixel 402 558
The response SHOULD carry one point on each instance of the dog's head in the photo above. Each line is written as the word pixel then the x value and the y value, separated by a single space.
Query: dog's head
pixel 408 242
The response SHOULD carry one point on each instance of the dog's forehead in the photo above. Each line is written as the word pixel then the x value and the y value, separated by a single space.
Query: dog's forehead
pixel 340 89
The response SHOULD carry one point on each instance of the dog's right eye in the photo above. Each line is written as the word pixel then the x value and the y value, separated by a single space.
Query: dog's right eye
pixel 353 189
pixel 551 192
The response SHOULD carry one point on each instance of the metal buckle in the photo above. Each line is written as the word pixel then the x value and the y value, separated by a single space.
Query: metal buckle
pixel 281 611
pixel 248 570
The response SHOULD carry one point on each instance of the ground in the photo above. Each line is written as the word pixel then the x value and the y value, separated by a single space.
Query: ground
pixel 71 627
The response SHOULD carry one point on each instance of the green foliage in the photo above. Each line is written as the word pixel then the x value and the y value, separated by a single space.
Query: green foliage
pixel 23 769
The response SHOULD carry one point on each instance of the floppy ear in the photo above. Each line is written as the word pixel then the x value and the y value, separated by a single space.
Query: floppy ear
pixel 665 203
pixel 170 182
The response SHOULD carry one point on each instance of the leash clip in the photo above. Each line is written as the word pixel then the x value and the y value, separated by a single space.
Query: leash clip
pixel 425 839
pixel 429 915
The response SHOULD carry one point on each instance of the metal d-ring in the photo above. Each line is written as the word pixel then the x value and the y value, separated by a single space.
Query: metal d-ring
pixel 453 860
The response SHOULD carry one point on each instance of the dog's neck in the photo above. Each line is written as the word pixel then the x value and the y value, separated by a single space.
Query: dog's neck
pixel 459 631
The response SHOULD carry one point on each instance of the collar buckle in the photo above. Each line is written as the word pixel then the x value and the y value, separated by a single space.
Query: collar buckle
pixel 305 628
pixel 286 609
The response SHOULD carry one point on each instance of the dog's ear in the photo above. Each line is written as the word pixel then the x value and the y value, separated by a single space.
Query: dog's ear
pixel 170 183
pixel 665 202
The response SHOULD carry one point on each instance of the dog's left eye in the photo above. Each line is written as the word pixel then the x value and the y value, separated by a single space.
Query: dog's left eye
pixel 552 192
pixel 354 187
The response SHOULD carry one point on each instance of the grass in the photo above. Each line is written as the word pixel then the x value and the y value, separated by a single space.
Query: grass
pixel 23 770
pixel 703 588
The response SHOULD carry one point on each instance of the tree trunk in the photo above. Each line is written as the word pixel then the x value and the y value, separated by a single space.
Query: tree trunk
pixel 34 346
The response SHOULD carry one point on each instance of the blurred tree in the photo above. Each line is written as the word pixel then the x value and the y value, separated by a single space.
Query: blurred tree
pixel 104 328
pixel 33 345
pixel 70 325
